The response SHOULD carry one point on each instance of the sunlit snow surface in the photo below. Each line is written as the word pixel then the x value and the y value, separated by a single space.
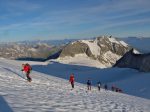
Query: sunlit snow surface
pixel 50 94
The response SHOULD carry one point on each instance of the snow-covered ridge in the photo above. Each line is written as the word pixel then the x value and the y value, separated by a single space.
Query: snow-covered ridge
pixel 136 52
pixel 51 94
pixel 115 40
pixel 95 49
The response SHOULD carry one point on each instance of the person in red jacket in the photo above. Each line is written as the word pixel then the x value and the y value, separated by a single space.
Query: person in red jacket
pixel 71 80
pixel 27 69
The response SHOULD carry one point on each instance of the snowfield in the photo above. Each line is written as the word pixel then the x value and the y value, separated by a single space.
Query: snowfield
pixel 95 49
pixel 81 59
pixel 52 94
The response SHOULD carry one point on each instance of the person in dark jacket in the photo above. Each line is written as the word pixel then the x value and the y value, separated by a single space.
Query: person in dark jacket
pixel 105 87
pixel 113 88
pixel 89 83
pixel 99 85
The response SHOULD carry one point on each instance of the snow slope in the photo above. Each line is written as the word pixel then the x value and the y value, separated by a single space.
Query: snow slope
pixel 129 80
pixel 95 49
pixel 81 59
pixel 51 94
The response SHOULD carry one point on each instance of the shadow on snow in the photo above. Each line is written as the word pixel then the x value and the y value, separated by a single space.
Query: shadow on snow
pixel 83 73
pixel 4 107
pixel 15 72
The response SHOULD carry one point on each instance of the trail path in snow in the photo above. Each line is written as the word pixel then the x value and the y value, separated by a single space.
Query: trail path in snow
pixel 50 94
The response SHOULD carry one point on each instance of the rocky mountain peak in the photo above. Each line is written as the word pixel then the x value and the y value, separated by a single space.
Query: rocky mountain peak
pixel 106 49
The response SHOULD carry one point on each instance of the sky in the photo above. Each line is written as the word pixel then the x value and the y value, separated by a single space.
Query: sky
pixel 71 19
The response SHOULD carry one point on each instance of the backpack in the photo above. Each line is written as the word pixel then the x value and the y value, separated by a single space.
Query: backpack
pixel 99 84
pixel 88 82
pixel 30 68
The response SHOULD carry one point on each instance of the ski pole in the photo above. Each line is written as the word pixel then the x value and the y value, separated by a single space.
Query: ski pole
pixel 23 75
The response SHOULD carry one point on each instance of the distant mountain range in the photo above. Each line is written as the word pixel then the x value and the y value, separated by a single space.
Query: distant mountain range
pixel 49 42
pixel 142 44
pixel 22 51
pixel 36 50
pixel 101 52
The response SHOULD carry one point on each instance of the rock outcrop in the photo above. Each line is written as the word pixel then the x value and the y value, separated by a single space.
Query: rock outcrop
pixel 140 62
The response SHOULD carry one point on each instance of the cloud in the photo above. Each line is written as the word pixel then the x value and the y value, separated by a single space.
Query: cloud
pixel 87 18
pixel 11 26
pixel 22 5
pixel 105 11
pixel 116 25
pixel 130 22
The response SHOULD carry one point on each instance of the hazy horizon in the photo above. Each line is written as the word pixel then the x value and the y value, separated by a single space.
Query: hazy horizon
pixel 32 40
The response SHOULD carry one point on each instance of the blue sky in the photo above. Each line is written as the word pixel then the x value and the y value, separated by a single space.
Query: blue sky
pixel 61 19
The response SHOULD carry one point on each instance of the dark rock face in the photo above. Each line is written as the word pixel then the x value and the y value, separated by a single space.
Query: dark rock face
pixel 140 62
pixel 105 46
pixel 75 48
pixel 114 47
